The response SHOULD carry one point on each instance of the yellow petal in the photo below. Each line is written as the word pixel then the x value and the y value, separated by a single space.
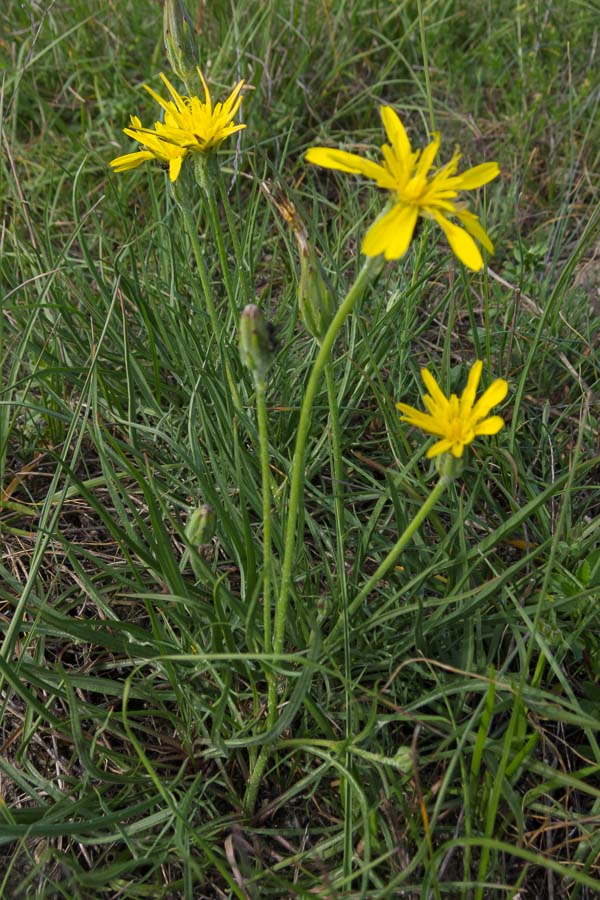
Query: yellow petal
pixel 233 102
pixel 396 134
pixel 467 398
pixel 490 426
pixel 495 394
pixel 433 407
pixel 437 395
pixel 174 137
pixel 392 233
pixel 130 160
pixel 473 226
pixel 408 410
pixel 439 447
pixel 418 419
pixel 207 98
pixel 166 104
pixel 179 101
pixel 345 162
pixel 175 167
pixel 462 244
pixel 477 176
pixel 428 155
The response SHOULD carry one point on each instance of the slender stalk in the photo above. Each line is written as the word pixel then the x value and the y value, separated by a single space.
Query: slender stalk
pixel 297 483
pixel 337 475
pixel 267 548
pixel 261 409
pixel 263 757
pixel 243 279
pixel 396 550
pixel 348 304
pixel 206 183
pixel 256 777
pixel 184 203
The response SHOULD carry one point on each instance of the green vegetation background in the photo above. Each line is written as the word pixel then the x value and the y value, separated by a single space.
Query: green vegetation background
pixel 123 768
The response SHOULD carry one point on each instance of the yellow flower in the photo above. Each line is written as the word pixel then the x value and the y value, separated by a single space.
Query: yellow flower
pixel 195 124
pixel 416 190
pixel 456 422
pixel 191 125
pixel 154 148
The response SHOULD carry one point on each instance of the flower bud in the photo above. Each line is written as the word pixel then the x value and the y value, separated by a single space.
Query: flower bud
pixel 315 294
pixel 256 343
pixel 448 465
pixel 200 525
pixel 180 44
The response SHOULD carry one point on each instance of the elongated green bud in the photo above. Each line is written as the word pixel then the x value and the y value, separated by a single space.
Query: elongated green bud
pixel 256 343
pixel 315 294
pixel 180 44
pixel 200 525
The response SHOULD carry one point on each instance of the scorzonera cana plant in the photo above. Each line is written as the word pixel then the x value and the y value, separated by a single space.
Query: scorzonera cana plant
pixel 187 141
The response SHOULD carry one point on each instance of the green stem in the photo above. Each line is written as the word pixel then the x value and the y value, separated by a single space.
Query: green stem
pixel 261 409
pixel 243 279
pixel 192 230
pixel 337 475
pixel 350 300
pixel 259 767
pixel 297 470
pixel 396 550
pixel 255 778
pixel 206 181
pixel 267 549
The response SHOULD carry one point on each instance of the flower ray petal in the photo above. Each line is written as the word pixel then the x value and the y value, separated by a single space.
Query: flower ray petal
pixel 495 394
pixel 461 243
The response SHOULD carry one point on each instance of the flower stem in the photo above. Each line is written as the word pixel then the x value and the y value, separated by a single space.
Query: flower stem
pixel 206 183
pixel 297 470
pixel 267 548
pixel 337 475
pixel 297 484
pixel 396 550
pixel 263 757
pixel 243 279
pixel 256 777
pixel 184 203
pixel 261 409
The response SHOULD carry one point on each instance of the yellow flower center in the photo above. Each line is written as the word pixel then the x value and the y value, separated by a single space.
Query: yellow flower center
pixel 413 190
pixel 458 429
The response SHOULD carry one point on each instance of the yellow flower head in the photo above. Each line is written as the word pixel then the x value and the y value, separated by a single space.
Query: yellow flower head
pixel 191 125
pixel 196 124
pixel 417 190
pixel 456 421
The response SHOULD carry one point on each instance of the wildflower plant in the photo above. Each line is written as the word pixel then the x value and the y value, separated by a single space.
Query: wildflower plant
pixel 279 614
pixel 196 127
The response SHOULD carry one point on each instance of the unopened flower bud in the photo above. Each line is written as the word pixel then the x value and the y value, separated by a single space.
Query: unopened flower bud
pixel 200 526
pixel 315 294
pixel 180 44
pixel 256 343
pixel 448 465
